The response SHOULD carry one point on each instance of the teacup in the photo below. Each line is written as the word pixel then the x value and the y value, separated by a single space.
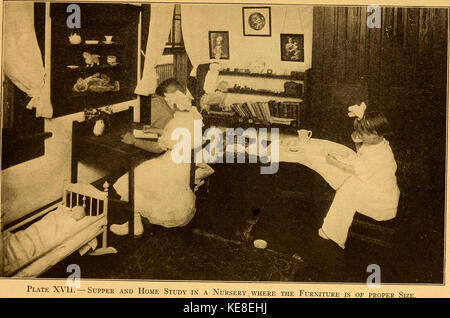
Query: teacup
pixel 108 38
pixel 304 135
pixel 111 59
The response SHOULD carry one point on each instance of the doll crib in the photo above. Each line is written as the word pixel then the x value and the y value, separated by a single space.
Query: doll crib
pixel 93 224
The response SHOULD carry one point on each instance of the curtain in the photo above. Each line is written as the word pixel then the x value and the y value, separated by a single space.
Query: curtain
pixel 195 33
pixel 161 16
pixel 22 57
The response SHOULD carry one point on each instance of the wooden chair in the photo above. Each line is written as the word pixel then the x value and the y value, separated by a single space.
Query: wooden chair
pixel 380 233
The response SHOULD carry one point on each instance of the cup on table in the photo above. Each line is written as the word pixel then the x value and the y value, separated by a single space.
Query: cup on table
pixel 304 136
pixel 108 38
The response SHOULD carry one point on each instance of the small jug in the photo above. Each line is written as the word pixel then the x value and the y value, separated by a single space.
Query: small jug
pixel 99 127
pixel 304 135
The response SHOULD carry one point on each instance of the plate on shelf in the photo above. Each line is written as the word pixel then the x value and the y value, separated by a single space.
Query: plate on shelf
pixel 72 67
pixel 91 41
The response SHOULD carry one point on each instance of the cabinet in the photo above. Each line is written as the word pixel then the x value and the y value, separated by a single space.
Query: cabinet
pixel 108 82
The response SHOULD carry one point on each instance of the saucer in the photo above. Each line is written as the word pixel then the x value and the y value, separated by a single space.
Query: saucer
pixel 106 42
pixel 292 145
pixel 91 42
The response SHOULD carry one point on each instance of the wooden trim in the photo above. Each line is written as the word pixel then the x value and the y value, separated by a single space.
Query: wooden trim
pixel 174 50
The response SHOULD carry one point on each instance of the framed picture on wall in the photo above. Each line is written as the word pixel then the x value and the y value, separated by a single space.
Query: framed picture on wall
pixel 256 21
pixel 219 45
pixel 292 47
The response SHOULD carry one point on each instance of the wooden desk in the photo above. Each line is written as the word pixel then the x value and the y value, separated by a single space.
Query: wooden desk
pixel 109 152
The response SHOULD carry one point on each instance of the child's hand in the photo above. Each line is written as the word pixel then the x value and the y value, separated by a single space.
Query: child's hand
pixel 129 138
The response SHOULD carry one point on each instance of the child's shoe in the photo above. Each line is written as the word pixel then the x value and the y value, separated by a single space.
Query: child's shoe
pixel 122 229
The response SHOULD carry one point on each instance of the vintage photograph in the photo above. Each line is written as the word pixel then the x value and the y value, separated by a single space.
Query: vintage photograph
pixel 219 47
pixel 137 146
pixel 292 47
pixel 256 21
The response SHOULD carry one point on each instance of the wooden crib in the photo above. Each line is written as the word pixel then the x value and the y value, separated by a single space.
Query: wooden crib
pixel 95 203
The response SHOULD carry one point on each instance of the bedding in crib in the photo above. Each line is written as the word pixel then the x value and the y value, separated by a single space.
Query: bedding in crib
pixel 26 245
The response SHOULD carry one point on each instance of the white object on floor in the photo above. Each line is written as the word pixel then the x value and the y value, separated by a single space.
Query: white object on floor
pixel 260 244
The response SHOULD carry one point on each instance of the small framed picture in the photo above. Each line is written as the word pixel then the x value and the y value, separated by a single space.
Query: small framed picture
pixel 219 45
pixel 256 21
pixel 292 47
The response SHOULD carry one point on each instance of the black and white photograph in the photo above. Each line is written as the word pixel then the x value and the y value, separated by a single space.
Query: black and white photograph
pixel 256 21
pixel 292 47
pixel 219 47
pixel 137 144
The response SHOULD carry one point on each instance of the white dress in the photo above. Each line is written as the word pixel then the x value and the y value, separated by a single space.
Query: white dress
pixel 162 191
pixel 371 191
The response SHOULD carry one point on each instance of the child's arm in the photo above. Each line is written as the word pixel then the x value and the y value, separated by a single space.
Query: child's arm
pixel 343 166
pixel 148 145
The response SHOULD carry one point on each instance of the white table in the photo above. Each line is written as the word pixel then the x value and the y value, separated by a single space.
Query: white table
pixel 312 155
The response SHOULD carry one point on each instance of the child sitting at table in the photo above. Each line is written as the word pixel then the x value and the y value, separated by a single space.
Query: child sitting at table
pixel 372 187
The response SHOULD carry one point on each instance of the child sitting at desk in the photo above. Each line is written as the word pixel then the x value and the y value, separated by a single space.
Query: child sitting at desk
pixel 162 191
pixel 372 187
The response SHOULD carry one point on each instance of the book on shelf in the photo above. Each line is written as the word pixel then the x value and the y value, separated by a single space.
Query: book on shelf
pixel 271 112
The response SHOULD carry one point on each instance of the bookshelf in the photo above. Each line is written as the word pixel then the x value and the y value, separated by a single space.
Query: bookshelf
pixel 244 91
pixel 300 76
pixel 255 104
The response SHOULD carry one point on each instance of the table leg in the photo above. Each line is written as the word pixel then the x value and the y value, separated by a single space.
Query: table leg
pixel 131 199
pixel 74 164
pixel 192 170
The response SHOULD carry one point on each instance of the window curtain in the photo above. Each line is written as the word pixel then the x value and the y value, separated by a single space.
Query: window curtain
pixel 22 57
pixel 161 16
pixel 195 33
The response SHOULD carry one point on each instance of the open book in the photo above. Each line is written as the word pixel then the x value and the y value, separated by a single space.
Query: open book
pixel 147 132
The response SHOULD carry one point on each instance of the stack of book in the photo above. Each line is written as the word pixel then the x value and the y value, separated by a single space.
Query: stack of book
pixel 271 112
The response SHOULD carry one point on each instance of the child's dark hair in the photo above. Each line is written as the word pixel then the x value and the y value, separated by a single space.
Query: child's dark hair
pixel 373 123
pixel 161 89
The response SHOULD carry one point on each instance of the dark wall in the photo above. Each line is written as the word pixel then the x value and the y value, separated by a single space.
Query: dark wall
pixel 402 65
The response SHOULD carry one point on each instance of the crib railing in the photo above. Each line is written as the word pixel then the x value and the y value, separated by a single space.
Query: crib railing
pixel 93 201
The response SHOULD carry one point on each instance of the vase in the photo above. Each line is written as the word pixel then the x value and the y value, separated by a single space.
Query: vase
pixel 99 127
